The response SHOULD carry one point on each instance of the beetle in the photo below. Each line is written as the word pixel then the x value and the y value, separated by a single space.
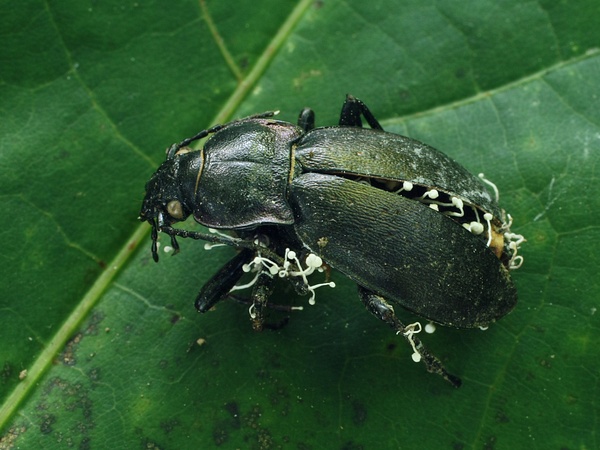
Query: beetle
pixel 404 221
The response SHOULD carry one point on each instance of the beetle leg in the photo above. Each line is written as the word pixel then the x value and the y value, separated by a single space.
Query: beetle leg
pixel 217 288
pixel 352 109
pixel 262 290
pixel 216 238
pixel 385 312
pixel 306 119
pixel 220 238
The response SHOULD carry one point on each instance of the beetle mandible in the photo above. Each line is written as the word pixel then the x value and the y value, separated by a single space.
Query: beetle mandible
pixel 408 224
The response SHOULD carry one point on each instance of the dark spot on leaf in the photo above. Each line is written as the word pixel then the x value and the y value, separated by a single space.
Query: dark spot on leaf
pixel 501 417
pixel 169 425
pixel 92 326
pixel 11 436
pixel 68 355
pixel 175 318
pixel 85 444
pixel 391 346
pixel 94 374
pixel 220 436
pixel 234 411
pixel 545 363
pixel 6 372
pixel 350 445
pixel 265 441
pixel 458 446
pixel 46 424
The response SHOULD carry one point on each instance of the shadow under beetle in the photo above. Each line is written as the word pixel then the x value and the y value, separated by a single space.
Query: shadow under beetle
pixel 408 224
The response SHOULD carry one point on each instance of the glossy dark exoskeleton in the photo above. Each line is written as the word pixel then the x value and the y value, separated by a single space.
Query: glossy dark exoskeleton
pixel 408 224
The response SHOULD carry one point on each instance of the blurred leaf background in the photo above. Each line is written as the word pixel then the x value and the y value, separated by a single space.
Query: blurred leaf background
pixel 100 346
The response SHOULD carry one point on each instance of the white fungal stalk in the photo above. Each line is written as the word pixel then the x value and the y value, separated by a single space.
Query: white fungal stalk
pixel 290 261
pixel 409 331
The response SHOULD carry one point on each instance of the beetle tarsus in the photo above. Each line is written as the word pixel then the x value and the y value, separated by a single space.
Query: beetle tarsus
pixel 381 309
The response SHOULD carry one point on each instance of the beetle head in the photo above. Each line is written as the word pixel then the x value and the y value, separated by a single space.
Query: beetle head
pixel 164 203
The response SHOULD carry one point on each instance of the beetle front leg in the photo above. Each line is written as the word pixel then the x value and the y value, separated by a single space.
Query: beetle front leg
pixel 217 288
pixel 352 109
pixel 385 312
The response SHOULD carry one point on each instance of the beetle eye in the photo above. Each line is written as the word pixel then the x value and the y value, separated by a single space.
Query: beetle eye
pixel 174 209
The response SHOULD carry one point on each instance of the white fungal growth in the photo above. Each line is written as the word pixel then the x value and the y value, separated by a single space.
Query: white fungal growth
pixel 313 262
pixel 492 185
pixel 430 328
pixel 475 227
pixel 290 261
pixel 409 331
pixel 218 233
pixel 406 186
pixel 514 243
pixel 210 245
pixel 432 194
pixel 458 204
pixel 488 218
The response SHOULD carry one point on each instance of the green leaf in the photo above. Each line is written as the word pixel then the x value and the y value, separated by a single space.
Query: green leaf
pixel 101 348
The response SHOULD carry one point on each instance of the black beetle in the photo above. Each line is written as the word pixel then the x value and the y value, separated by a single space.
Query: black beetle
pixel 408 224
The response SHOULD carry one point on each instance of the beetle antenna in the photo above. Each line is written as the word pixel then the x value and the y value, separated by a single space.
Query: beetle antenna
pixel 173 149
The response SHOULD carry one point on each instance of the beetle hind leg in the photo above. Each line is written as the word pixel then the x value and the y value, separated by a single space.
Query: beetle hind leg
pixel 385 312
pixel 352 109
pixel 306 119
